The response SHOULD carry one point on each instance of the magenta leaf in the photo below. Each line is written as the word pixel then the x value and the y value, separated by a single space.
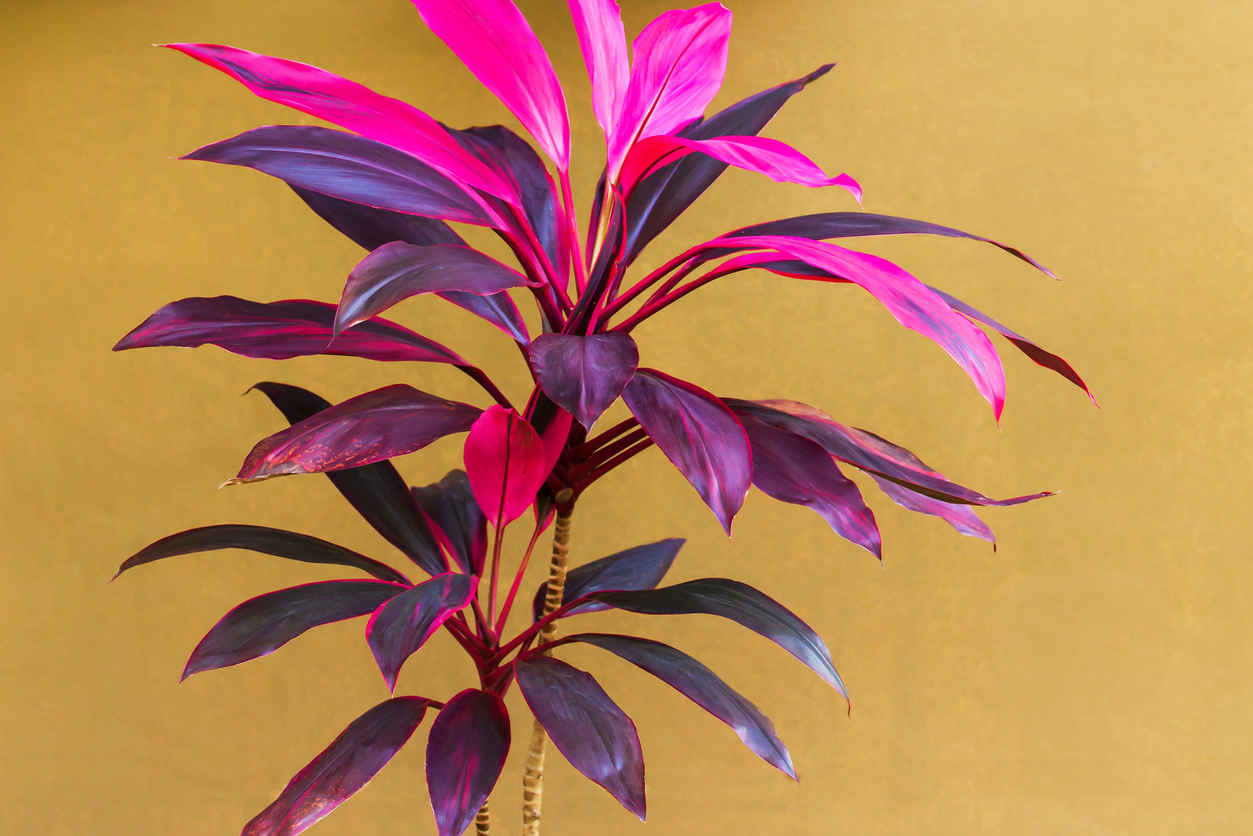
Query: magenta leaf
pixel 280 331
pixel 465 753
pixel 593 733
pixel 961 517
pixel 262 625
pixel 791 468
pixel 602 39
pixel 703 687
pixel 584 375
pixel 740 603
pixel 700 436
pixel 494 41
pixel 344 767
pixel 272 541
pixel 369 428
pixel 349 167
pixel 450 506
pixel 397 271
pixel 504 460
pixel 401 625
pixel 640 567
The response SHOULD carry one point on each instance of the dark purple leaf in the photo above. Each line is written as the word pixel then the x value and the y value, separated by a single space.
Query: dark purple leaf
pixel 595 736
pixel 349 167
pixel 961 517
pixel 344 767
pixel 378 425
pixel 698 434
pixel 465 753
pixel 791 468
pixel 584 375
pixel 397 271
pixel 376 491
pixel 641 567
pixel 257 538
pixel 743 605
pixel 403 624
pixel 450 505
pixel 703 687
pixel 262 625
pixel 280 331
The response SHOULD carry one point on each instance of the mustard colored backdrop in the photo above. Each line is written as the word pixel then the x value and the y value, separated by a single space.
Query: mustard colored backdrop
pixel 1093 675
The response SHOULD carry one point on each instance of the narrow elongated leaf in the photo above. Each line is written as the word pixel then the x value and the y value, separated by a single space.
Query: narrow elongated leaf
pixel 593 733
pixel 584 375
pixel 280 331
pixel 494 41
pixel 349 167
pixel 791 468
pixel 273 541
pixel 465 753
pixel 262 625
pixel 400 627
pixel 740 603
pixel 344 767
pixel 640 567
pixel 397 271
pixel 961 517
pixel 376 491
pixel 703 687
pixel 378 425
pixel 504 460
pixel 602 39
pixel 450 505
pixel 700 436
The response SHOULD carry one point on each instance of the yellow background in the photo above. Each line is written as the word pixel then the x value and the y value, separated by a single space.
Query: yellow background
pixel 1092 676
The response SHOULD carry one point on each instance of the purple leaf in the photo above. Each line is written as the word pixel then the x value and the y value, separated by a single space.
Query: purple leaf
pixel 280 331
pixel 378 425
pixel 698 434
pixel 376 491
pixel 397 271
pixel 400 627
pixel 262 625
pixel 961 517
pixel 584 375
pixel 641 567
pixel 257 538
pixel 586 726
pixel 349 167
pixel 740 603
pixel 344 767
pixel 465 753
pixel 703 687
pixel 450 505
pixel 791 468
pixel 602 39
pixel 504 460
pixel 494 41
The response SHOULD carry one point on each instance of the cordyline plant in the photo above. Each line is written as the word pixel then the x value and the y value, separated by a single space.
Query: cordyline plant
pixel 392 183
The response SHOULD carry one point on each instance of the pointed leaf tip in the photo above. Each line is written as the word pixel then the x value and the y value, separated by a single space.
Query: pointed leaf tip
pixel 584 375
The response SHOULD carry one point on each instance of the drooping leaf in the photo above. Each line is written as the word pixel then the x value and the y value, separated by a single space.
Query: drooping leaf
pixel 698 434
pixel 602 39
pixel 504 459
pixel 589 729
pixel 262 625
pixel 640 567
pixel 400 627
pixel 258 538
pixel 494 41
pixel 369 428
pixel 349 167
pixel 344 767
pixel 584 375
pixel 791 468
pixel 740 603
pixel 280 331
pixel 450 505
pixel 703 687
pixel 961 517
pixel 465 753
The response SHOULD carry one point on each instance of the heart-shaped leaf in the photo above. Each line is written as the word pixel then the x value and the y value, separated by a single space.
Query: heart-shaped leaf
pixel 400 627
pixel 584 374
pixel 465 753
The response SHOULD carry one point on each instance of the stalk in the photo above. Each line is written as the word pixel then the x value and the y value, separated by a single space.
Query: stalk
pixel 533 779
pixel 483 821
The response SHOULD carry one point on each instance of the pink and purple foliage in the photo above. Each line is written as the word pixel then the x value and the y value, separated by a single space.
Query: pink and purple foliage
pixel 391 181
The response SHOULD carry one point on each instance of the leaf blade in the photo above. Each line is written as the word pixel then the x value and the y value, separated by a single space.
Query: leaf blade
pixel 402 624
pixel 584 375
pixel 465 754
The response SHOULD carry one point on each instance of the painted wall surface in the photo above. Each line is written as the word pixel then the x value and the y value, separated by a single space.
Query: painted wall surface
pixel 1093 675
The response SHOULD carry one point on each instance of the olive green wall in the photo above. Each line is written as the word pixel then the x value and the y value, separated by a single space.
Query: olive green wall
pixel 1094 675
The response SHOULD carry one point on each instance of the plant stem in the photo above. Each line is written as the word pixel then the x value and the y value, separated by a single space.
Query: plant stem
pixel 483 821
pixel 533 779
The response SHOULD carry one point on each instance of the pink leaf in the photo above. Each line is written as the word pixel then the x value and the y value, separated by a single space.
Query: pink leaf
pixel 504 459
pixel 603 40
